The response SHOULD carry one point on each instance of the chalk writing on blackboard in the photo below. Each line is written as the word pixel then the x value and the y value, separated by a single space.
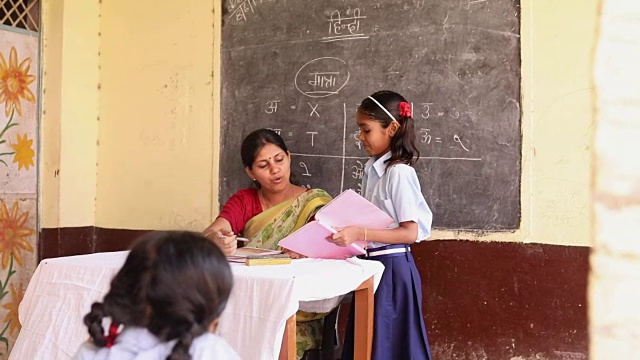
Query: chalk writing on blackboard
pixel 305 65
pixel 345 28
pixel 272 106
pixel 322 77
pixel 306 169
pixel 460 148
pixel 425 137
pixel 241 8
pixel 314 110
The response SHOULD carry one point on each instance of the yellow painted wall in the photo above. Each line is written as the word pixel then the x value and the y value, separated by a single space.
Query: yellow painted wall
pixel 156 115
pixel 159 95
pixel 69 129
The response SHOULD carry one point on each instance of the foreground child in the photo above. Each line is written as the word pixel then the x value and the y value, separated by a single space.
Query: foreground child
pixel 164 303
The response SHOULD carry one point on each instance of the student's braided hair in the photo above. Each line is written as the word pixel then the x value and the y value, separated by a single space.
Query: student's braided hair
pixel 173 283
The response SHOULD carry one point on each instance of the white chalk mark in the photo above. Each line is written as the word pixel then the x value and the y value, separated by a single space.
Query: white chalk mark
pixel 306 169
pixel 344 143
pixel 505 33
pixel 314 109
pixel 326 62
pixel 449 158
pixel 343 37
pixel 312 133
pixel 457 139
pixel 455 77
pixel 445 26
pixel 330 156
pixel 366 157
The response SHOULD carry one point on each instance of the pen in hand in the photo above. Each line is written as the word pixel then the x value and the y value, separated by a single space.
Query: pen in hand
pixel 239 238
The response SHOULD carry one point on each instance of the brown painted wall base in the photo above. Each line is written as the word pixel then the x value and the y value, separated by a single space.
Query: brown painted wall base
pixel 84 240
pixel 482 300
pixel 504 300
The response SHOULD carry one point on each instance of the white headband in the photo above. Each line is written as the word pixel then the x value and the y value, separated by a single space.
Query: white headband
pixel 383 108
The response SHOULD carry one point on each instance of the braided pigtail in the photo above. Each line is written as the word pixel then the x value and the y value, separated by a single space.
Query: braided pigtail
pixel 180 350
pixel 93 320
pixel 125 303
pixel 188 290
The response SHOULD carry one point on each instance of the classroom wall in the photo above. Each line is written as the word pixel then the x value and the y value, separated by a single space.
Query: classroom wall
pixel 133 146
pixel 70 105
pixel 132 130
pixel 156 150
pixel 128 124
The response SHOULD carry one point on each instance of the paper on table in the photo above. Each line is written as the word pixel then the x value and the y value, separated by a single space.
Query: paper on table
pixel 347 209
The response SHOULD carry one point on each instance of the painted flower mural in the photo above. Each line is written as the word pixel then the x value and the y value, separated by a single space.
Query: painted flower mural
pixel 15 81
pixel 11 319
pixel 13 233
pixel 4 130
pixel 23 152
pixel 14 240
pixel 19 54
pixel 14 87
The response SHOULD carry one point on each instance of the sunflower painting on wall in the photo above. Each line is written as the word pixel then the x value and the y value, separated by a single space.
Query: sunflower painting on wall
pixel 18 175
pixel 14 86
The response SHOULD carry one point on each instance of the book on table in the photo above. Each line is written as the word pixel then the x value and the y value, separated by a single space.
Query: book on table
pixel 241 254
pixel 347 209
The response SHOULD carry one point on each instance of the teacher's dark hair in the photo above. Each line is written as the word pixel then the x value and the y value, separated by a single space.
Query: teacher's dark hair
pixel 255 141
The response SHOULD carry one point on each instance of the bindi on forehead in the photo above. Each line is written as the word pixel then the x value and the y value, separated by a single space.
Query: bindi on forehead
pixel 269 157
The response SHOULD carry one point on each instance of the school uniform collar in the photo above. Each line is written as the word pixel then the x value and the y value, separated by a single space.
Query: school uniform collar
pixel 379 164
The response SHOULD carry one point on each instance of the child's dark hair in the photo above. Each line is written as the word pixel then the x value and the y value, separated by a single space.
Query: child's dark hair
pixel 174 283
pixel 403 143
pixel 255 141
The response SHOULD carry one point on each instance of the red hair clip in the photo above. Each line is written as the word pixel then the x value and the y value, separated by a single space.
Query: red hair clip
pixel 405 109
pixel 112 335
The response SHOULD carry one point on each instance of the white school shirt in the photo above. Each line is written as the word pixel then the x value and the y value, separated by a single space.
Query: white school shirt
pixel 396 190
pixel 135 343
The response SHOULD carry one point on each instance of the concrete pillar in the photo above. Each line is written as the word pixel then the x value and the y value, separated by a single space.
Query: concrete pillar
pixel 614 284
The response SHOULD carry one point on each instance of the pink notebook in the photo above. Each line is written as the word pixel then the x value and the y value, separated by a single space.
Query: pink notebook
pixel 346 209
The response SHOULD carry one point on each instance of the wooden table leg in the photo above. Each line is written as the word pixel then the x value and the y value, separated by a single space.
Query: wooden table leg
pixel 288 348
pixel 363 337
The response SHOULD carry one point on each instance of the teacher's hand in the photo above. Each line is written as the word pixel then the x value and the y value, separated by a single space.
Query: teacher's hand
pixel 226 241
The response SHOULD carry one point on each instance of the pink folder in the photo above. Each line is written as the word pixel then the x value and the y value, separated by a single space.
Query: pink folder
pixel 346 209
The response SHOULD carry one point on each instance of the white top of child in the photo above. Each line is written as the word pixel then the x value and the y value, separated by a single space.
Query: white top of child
pixel 136 343
pixel 396 190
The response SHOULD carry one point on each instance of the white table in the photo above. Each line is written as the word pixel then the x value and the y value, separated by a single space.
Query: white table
pixel 260 312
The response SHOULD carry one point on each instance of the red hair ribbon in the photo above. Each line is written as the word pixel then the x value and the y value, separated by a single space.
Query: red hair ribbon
pixel 405 109
pixel 112 335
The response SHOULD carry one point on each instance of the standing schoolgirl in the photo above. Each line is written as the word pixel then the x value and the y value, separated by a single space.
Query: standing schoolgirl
pixel 387 132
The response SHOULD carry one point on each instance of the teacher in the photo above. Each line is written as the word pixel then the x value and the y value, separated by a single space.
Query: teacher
pixel 269 211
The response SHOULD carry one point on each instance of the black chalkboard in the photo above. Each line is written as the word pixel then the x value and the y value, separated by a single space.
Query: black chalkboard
pixel 302 67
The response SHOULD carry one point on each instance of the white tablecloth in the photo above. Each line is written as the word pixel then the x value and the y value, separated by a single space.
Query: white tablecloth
pixel 263 298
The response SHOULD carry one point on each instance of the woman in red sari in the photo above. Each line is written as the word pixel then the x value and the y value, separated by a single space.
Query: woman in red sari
pixel 270 211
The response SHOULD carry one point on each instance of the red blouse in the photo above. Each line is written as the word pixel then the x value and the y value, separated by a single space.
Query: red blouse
pixel 240 208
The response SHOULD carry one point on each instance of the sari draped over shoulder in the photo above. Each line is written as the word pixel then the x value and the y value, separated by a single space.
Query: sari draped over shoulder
pixel 274 224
